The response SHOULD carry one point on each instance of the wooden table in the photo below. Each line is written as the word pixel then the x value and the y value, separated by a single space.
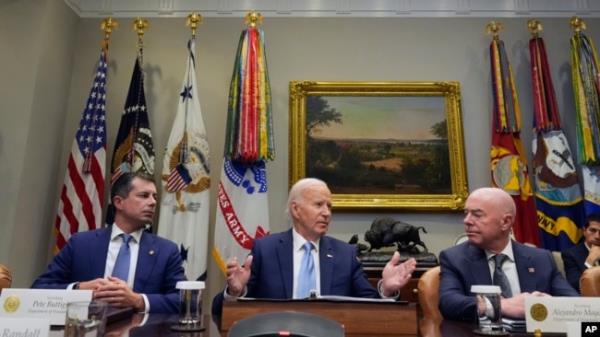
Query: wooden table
pixel 409 292
pixel 358 318
pixel 158 325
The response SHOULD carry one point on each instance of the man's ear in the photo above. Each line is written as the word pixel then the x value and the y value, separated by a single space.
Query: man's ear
pixel 294 210
pixel 117 201
pixel 507 221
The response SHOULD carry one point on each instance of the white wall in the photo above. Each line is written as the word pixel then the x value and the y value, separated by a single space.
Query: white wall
pixel 35 67
pixel 310 49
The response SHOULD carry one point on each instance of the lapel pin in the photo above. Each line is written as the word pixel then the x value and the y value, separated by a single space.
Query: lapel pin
pixel 329 255
pixel 151 252
pixel 531 270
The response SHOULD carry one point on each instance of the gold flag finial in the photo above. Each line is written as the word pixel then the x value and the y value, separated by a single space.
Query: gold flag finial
pixel 140 25
pixel 535 27
pixel 107 26
pixel 253 19
pixel 493 28
pixel 193 21
pixel 577 24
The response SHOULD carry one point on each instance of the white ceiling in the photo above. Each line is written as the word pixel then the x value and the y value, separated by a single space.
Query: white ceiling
pixel 337 8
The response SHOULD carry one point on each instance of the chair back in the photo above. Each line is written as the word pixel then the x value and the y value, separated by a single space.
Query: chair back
pixel 286 323
pixel 5 277
pixel 429 293
pixel 589 283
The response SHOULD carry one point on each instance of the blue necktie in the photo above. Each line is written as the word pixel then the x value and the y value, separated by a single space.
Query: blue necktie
pixel 121 269
pixel 307 279
pixel 500 278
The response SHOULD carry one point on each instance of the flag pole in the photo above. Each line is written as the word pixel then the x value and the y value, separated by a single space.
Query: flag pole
pixel 577 24
pixel 253 19
pixel 139 26
pixel 535 27
pixel 193 21
pixel 107 26
pixel 493 28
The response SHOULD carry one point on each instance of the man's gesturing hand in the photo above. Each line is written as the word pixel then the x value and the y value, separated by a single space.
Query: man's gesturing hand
pixel 395 274
pixel 238 276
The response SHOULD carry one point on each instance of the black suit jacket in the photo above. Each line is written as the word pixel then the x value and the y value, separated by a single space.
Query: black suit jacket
pixel 574 261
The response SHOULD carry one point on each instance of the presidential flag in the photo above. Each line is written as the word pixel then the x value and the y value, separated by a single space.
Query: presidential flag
pixel 82 194
pixel 508 162
pixel 134 151
pixel 557 192
pixel 186 178
pixel 242 205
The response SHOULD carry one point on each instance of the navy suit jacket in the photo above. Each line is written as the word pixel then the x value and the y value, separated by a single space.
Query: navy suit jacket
pixel 84 258
pixel 272 270
pixel 574 261
pixel 465 265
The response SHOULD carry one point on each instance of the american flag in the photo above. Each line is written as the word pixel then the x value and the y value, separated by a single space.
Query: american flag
pixel 80 204
pixel 179 179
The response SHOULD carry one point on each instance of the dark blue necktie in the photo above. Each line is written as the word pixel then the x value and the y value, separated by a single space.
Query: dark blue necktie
pixel 307 279
pixel 500 278
pixel 121 269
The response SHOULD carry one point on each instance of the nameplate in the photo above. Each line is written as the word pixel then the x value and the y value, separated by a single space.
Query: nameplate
pixel 551 314
pixel 50 304
pixel 24 327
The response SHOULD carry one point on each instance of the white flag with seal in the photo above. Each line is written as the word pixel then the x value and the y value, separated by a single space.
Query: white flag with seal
pixel 185 179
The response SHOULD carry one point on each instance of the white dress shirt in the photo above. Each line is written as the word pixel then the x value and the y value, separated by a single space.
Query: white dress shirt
pixel 587 265
pixel 113 251
pixel 509 267
pixel 299 242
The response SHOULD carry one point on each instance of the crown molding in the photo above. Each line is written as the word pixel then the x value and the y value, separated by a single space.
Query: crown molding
pixel 337 8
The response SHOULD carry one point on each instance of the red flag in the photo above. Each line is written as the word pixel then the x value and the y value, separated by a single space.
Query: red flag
pixel 508 163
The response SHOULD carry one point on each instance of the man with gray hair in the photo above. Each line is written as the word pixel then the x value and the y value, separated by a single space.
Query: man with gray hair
pixel 491 257
pixel 304 261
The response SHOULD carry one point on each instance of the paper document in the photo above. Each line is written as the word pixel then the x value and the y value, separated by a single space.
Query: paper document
pixel 326 298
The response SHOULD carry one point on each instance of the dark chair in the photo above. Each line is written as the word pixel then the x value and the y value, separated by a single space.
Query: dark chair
pixel 286 323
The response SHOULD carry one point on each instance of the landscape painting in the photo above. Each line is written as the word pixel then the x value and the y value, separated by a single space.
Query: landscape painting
pixel 380 144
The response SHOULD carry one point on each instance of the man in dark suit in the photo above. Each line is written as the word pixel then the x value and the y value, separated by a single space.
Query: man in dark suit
pixel 584 255
pixel 123 264
pixel 276 266
pixel 521 271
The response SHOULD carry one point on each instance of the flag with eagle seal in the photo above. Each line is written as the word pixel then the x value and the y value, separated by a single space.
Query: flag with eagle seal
pixel 185 179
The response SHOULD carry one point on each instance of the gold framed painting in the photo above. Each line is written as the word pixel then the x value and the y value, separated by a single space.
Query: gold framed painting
pixel 380 145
